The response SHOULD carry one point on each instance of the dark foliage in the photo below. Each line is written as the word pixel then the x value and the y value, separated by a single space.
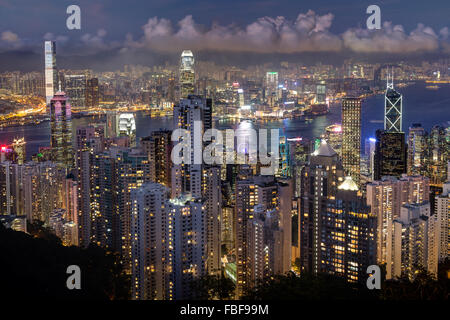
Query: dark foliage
pixel 213 288
pixel 308 287
pixel 34 266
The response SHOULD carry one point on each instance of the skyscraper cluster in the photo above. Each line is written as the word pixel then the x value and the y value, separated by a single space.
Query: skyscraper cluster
pixel 325 208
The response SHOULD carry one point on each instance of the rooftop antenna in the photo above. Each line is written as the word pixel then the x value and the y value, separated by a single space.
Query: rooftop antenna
pixel 389 85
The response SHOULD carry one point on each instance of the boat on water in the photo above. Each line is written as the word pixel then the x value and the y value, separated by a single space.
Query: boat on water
pixel 432 87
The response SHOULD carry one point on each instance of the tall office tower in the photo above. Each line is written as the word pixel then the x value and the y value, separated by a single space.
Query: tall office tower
pixel 417 150
pixel 191 113
pixel 171 90
pixel 441 224
pixel 284 169
pixel 411 236
pixel 18 146
pixel 370 147
pixel 75 87
pixel 61 129
pixel 158 147
pixel 392 108
pixel 271 83
pixel 390 154
pixel 127 127
pixel 351 137
pixel 321 92
pixel 149 223
pixel 187 74
pixel 385 197
pixel 439 155
pixel 270 195
pixel 51 74
pixel 112 124
pixel 92 93
pixel 347 234
pixel 333 136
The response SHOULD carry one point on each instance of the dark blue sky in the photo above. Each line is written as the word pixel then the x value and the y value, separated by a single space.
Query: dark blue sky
pixel 31 19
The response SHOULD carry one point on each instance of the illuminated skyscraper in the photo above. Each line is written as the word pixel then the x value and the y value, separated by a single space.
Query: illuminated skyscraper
pixel 351 137
pixel 168 243
pixel 187 74
pixel 258 197
pixel 127 127
pixel 441 224
pixel 92 93
pixel 386 197
pixel 51 75
pixel 75 87
pixel 390 154
pixel 438 156
pixel 412 236
pixel 417 149
pixel 19 148
pixel 392 108
pixel 158 147
pixel 61 129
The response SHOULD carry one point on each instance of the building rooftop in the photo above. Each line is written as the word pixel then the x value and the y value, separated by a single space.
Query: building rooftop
pixel 324 150
pixel 348 184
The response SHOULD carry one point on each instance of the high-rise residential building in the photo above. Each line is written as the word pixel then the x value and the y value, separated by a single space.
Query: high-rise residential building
pixel 149 224
pixel 61 130
pixel 417 150
pixel 347 234
pixel 190 114
pixel 351 137
pixel 158 147
pixel 88 142
pixel 390 154
pixel 168 243
pixel 386 197
pixel 411 242
pixel 92 93
pixel 51 74
pixel 18 146
pixel 270 198
pixel 337 230
pixel 439 155
pixel 187 74
pixel 75 87
pixel 392 108
pixel 441 224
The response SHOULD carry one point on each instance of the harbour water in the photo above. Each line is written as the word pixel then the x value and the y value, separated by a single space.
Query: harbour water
pixel 420 105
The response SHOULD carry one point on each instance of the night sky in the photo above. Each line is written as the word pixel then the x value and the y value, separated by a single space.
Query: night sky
pixel 113 27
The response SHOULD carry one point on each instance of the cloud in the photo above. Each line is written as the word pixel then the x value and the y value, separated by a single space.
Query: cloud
pixel 310 32
pixel 10 37
pixel 391 39
pixel 60 39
